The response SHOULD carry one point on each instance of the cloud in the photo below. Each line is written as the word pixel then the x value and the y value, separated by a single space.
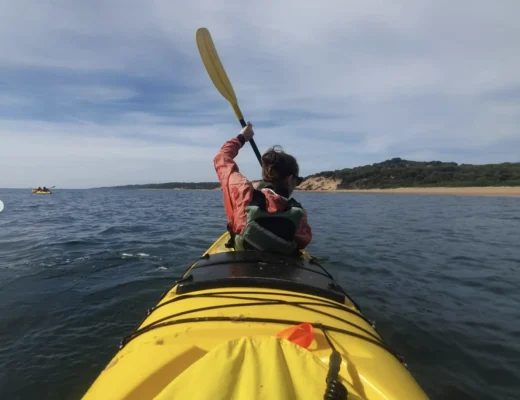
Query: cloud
pixel 87 159
pixel 119 86
pixel 96 94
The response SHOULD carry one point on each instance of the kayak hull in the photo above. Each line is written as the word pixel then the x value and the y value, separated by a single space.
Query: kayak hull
pixel 227 297
pixel 41 192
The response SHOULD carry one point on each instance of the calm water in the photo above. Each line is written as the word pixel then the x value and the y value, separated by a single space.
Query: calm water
pixel 439 274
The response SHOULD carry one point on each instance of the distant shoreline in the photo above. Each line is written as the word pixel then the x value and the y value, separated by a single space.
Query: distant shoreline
pixel 430 177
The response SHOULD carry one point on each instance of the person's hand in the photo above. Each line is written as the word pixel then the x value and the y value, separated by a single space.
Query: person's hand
pixel 247 132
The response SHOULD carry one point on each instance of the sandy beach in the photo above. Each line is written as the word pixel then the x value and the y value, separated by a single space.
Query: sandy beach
pixel 500 191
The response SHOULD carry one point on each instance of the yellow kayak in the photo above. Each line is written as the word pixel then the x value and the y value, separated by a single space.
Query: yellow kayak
pixel 35 191
pixel 250 325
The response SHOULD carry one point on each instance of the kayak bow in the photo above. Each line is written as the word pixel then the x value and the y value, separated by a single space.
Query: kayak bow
pixel 251 325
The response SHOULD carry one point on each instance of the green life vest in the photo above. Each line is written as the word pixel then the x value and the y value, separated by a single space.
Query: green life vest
pixel 271 232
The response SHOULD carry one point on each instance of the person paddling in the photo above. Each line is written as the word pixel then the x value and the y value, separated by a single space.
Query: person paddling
pixel 265 218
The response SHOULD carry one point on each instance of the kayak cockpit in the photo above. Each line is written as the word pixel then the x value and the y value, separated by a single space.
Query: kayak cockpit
pixel 261 270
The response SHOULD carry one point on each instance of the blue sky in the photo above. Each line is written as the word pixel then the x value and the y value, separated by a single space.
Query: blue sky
pixel 96 93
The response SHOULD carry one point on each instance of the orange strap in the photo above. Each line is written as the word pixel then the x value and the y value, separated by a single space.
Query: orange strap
pixel 302 334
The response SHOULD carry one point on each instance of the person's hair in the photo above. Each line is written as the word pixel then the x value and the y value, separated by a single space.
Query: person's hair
pixel 277 165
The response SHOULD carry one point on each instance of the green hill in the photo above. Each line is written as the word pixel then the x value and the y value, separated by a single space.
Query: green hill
pixel 396 173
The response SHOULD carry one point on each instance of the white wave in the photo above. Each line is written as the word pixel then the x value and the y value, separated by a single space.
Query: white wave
pixel 142 255
pixel 51 264
pixel 84 258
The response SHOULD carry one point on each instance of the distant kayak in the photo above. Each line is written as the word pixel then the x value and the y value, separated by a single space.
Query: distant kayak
pixel 36 191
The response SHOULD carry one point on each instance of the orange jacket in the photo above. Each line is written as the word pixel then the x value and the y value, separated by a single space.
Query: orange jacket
pixel 238 193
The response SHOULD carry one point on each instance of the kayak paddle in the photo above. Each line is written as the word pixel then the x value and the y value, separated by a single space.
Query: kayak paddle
pixel 218 76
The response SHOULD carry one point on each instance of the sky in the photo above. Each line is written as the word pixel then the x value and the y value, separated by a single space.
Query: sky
pixel 98 93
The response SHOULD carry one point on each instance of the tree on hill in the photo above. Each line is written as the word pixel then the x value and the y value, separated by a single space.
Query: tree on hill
pixel 404 173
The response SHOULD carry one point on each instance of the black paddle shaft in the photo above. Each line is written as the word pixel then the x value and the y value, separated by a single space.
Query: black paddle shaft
pixel 253 144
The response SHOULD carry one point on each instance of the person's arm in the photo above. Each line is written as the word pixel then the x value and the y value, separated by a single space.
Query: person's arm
pixel 303 235
pixel 237 190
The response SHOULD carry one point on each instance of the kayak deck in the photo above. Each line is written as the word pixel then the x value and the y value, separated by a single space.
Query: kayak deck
pixel 227 296
pixel 253 270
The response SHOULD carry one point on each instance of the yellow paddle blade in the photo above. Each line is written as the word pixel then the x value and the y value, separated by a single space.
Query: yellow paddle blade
pixel 215 69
